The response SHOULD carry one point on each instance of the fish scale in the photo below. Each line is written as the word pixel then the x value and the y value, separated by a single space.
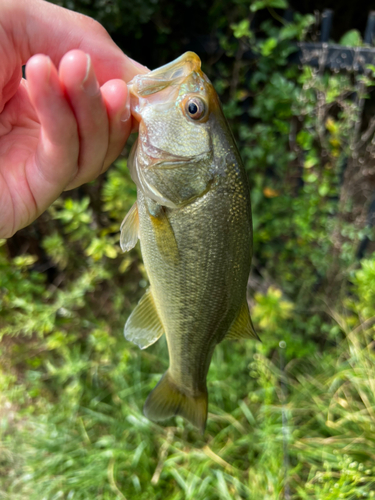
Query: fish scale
pixel 197 246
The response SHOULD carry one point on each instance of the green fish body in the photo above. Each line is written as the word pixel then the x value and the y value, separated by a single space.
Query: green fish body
pixel 193 219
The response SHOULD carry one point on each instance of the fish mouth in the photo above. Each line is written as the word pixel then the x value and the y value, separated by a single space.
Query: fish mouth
pixel 184 73
pixel 171 74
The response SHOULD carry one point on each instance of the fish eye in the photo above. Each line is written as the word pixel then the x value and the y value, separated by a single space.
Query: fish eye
pixel 195 108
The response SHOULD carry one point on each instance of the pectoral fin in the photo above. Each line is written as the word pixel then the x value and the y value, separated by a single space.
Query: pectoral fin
pixel 164 236
pixel 242 327
pixel 129 229
pixel 143 326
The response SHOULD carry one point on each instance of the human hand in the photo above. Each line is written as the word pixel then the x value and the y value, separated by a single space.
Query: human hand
pixel 58 128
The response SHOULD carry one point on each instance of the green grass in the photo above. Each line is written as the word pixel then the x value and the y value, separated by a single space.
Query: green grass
pixel 72 388
pixel 81 433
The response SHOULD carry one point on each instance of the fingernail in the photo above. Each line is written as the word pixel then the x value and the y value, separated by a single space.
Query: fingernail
pixel 90 84
pixel 126 113
pixel 143 69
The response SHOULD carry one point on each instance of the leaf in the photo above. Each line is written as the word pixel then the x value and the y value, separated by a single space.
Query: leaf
pixel 264 4
pixel 310 162
pixel 311 178
pixel 268 46
pixel 241 29
pixel 304 139
pixel 278 4
pixel 260 4
pixel 331 125
pixel 110 251
pixel 25 260
pixel 125 264
pixel 351 38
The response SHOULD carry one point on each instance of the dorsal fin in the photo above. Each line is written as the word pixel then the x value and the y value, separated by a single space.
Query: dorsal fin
pixel 143 326
pixel 242 327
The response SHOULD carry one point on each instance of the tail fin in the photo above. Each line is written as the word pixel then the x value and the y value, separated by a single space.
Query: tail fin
pixel 167 400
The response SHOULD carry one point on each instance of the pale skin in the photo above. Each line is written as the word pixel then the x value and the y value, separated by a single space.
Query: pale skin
pixel 69 120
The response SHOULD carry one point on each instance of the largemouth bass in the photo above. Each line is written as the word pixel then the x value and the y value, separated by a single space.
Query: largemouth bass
pixel 193 219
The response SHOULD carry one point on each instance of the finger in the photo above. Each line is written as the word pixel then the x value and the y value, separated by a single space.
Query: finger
pixel 82 88
pixel 30 26
pixel 116 97
pixel 55 160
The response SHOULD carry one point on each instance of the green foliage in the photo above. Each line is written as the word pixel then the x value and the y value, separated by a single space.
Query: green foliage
pixel 263 4
pixel 351 38
pixel 364 280
pixel 290 416
pixel 296 143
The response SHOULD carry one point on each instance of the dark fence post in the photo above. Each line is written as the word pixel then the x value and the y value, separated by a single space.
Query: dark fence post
pixel 370 29
pixel 325 28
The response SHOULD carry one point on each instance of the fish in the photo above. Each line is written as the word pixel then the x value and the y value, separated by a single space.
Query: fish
pixel 193 219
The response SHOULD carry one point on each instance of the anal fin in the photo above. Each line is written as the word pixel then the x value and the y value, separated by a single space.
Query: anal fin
pixel 143 326
pixel 129 229
pixel 242 327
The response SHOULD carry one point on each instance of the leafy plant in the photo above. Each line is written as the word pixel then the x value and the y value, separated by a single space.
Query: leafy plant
pixel 291 416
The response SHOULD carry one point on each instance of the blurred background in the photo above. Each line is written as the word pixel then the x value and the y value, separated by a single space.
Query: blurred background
pixel 292 417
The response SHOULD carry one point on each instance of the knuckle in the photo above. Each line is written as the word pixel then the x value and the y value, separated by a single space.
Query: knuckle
pixel 93 25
